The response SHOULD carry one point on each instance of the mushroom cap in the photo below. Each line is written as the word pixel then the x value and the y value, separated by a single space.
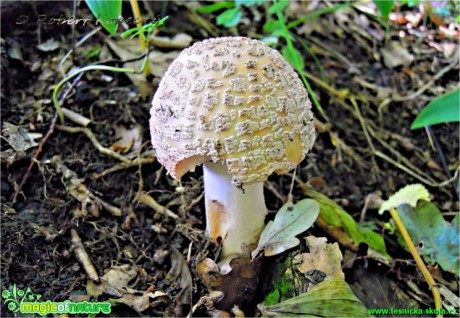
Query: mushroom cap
pixel 235 100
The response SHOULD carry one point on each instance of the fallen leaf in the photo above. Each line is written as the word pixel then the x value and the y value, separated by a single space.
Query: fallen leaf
pixel 129 141
pixel 179 41
pixel 377 291
pixel 395 55
pixel 180 273
pixel 48 46
pixel 291 220
pixel 18 138
pixel 331 298
pixel 433 237
pixel 343 226
pixel 139 302
pixel 323 256
pixel 239 284
pixel 129 49
pixel 120 276
pixel 14 50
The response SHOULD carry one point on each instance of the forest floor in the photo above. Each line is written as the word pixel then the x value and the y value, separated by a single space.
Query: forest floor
pixel 84 189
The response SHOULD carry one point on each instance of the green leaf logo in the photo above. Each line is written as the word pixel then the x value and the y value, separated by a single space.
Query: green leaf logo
pixel 13 297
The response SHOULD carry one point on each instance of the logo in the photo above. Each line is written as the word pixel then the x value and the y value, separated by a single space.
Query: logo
pixel 27 302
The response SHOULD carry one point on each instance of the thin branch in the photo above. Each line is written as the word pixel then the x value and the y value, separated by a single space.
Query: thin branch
pixel 37 154
pixel 96 143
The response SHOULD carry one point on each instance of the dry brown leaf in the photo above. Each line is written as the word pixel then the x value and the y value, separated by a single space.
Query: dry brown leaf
pixel 18 138
pixel 396 55
pixel 129 49
pixel 179 41
pixel 181 273
pixel 323 256
pixel 119 276
pixel 129 141
pixel 239 285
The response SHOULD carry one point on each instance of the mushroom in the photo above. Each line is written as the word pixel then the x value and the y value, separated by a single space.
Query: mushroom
pixel 236 106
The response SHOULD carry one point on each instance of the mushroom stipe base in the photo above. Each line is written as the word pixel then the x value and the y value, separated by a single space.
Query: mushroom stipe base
pixel 234 214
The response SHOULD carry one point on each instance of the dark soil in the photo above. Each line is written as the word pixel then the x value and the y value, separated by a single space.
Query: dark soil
pixel 37 250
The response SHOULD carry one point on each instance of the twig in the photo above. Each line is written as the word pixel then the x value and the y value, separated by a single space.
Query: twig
pixel 405 169
pixel 82 256
pixel 90 135
pixel 74 15
pixel 147 200
pixel 77 189
pixel 37 154
pixel 75 117
pixel 124 165
pixel 399 98
pixel 112 209
pixel 442 159
pixel 364 128
pixel 421 265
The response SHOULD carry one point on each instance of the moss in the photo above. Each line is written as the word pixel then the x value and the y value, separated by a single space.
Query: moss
pixel 283 287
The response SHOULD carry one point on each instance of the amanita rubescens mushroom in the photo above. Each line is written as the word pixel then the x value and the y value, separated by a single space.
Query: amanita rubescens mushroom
pixel 237 106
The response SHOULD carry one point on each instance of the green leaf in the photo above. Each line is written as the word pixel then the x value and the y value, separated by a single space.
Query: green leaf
pixel 442 109
pixel 216 6
pixel 291 220
pixel 294 57
pixel 434 238
pixel 145 30
pixel 385 7
pixel 278 6
pixel 107 12
pixel 410 194
pixel 410 3
pixel 230 18
pixel 270 26
pixel 331 298
pixel 249 3
pixel 333 215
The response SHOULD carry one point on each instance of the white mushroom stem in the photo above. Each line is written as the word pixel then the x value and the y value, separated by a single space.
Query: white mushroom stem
pixel 235 216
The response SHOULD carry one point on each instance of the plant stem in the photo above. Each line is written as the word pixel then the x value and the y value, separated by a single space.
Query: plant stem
pixel 421 265
pixel 142 40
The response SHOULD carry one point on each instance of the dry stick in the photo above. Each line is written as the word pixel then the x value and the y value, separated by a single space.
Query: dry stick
pixel 147 200
pixel 421 265
pixel 90 135
pixel 399 98
pixel 413 171
pixel 364 128
pixel 124 165
pixel 40 147
pixel 74 13
pixel 416 172
pixel 75 117
pixel 82 256
pixel 37 153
